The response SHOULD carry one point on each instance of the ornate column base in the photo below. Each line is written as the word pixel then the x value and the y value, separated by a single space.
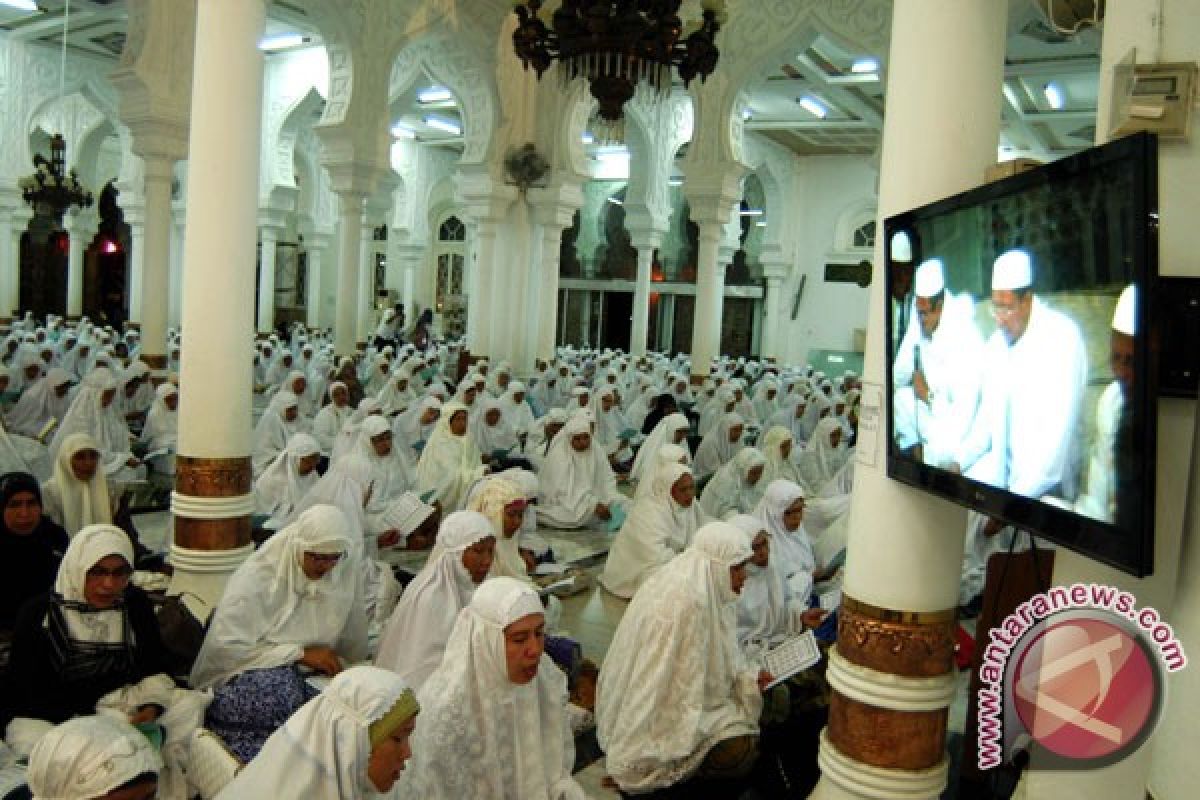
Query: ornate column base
pixel 893 681
pixel 212 504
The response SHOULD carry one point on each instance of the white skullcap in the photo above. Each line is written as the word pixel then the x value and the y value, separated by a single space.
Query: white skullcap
pixel 1012 270
pixel 901 247
pixel 1125 315
pixel 930 279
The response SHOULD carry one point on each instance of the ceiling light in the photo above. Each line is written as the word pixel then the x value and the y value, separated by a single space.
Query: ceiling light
pixel 751 212
pixel 675 182
pixel 615 201
pixel 283 41
pixel 445 125
pixel 813 106
pixel 1011 96
pixel 20 5
pixel 435 94
pixel 403 131
pixel 865 66
pixel 747 114
pixel 588 138
pixel 1054 96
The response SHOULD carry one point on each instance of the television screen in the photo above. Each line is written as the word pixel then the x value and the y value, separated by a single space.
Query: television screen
pixel 1019 365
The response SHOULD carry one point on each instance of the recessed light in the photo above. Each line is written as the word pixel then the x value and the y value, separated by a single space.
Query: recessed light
pixel 283 41
pixel 20 5
pixel 751 212
pixel 588 138
pixel 445 125
pixel 1054 96
pixel 813 106
pixel 865 66
pixel 435 94
pixel 402 131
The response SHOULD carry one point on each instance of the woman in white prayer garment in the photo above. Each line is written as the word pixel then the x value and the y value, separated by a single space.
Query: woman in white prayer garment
pixel 719 445
pixel 537 447
pixel 391 473
pixel 791 418
pixel 351 742
pixel 516 411
pixel 782 512
pixel 578 484
pixel 671 429
pixel 274 429
pixel 722 403
pixel 295 603
pixel 766 401
pixel 493 715
pixel 330 419
pixel 161 431
pixel 736 487
pixel 767 611
pixel 38 404
pixel 347 438
pixel 93 411
pixel 413 428
pixel 610 425
pixel 823 457
pixel 676 698
pixel 397 395
pixel 777 447
pixel 450 462
pixel 415 637
pixel 660 526
pixel 94 758
pixel 495 438
pixel 502 501
pixel 77 494
pixel 283 484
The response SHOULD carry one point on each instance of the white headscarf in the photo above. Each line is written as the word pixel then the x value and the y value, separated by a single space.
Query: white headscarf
pixel 518 413
pixel 778 467
pixel 763 613
pixel 408 428
pixel 88 757
pixel 81 503
pixel 674 683
pixel 480 735
pixel 449 464
pixel 104 423
pixel 39 404
pixel 91 545
pixel 730 491
pixel 574 483
pixel 161 430
pixel 663 434
pixel 391 475
pixel 330 419
pixel 490 498
pixel 392 399
pixel 273 431
pixel 323 750
pixel 271 610
pixel 821 460
pixel 791 551
pixel 415 637
pixel 657 530
pixel 716 449
pixel 490 438
pixel 281 487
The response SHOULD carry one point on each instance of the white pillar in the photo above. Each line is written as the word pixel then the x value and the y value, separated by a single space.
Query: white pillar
pixel 175 306
pixel 268 240
pixel 213 499
pixel 10 263
pixel 350 211
pixel 775 312
pixel 366 285
pixel 710 298
pixel 905 547
pixel 135 217
pixel 470 278
pixel 484 289
pixel 81 228
pixel 154 265
pixel 316 255
pixel 641 296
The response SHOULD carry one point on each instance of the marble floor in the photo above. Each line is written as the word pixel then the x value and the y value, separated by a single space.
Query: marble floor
pixel 590 617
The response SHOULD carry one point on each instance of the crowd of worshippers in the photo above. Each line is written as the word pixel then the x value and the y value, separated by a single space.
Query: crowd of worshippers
pixel 724 506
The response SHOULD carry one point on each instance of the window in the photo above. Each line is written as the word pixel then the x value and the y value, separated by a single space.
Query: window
pixel 452 230
pixel 864 236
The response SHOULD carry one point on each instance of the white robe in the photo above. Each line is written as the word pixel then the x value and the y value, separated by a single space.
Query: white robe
pixel 573 483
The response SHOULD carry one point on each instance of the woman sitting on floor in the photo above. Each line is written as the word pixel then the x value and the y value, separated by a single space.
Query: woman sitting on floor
pixel 493 715
pixel 577 483
pixel 94 758
pixel 282 486
pixel 296 603
pixel 661 526
pixel 673 430
pixel 676 698
pixel 31 543
pixel 93 645
pixel 450 462
pixel 736 487
pixel 719 446
pixel 414 640
pixel 351 742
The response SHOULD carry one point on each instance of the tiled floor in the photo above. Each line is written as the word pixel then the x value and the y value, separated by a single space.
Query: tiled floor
pixel 590 617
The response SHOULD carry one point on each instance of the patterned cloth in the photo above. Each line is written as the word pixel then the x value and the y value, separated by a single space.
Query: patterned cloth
pixel 248 709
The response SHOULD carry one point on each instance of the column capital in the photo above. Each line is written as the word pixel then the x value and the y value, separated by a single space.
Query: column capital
pixel 316 240
pixel 775 271
pixel 82 221
pixel 712 190
pixel 484 199
pixel 555 206
pixel 355 164
pixel 272 219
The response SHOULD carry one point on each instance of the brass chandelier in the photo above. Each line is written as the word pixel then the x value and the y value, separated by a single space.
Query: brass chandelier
pixel 51 189
pixel 617 44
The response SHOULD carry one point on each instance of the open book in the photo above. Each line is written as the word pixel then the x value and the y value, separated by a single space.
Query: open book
pixel 794 654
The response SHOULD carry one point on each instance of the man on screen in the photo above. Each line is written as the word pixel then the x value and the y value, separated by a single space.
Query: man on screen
pixel 938 370
pixel 1108 475
pixel 1035 370
pixel 900 263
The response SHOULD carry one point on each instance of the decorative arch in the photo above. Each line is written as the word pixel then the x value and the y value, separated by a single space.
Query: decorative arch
pixel 84 107
pixel 853 217
pixel 293 124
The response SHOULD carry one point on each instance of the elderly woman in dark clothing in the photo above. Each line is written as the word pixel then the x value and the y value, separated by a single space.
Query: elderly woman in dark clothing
pixel 93 644
pixel 31 546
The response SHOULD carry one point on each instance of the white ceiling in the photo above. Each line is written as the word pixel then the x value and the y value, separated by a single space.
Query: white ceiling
pixel 1035 57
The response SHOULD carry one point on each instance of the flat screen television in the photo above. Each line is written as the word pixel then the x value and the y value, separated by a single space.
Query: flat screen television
pixel 1020 371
